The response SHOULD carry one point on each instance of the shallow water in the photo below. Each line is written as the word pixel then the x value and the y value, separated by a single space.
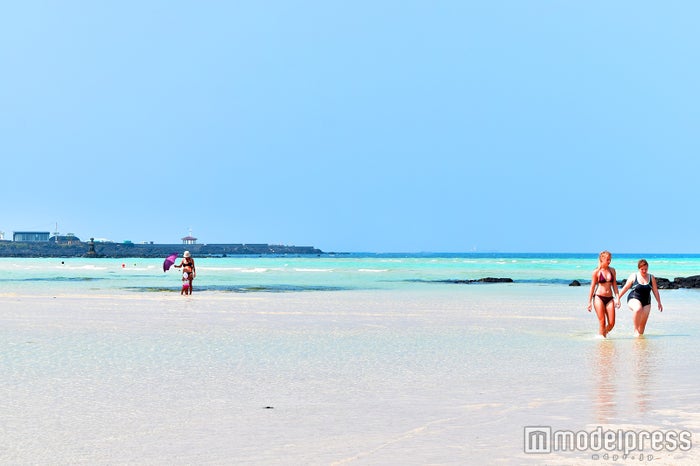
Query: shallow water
pixel 320 273
pixel 447 375
pixel 360 371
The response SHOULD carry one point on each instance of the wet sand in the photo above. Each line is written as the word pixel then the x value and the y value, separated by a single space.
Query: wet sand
pixel 350 377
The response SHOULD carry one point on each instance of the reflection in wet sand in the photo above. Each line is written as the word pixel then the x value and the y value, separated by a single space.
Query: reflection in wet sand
pixel 644 367
pixel 620 367
pixel 604 375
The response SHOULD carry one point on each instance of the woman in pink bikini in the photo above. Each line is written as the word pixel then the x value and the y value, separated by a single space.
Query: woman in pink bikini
pixel 604 295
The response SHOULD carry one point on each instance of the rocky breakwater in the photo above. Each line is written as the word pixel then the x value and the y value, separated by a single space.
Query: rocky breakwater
pixel 678 282
pixel 122 250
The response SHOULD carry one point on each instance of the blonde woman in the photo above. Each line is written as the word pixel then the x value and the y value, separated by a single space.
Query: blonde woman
pixel 603 292
pixel 642 284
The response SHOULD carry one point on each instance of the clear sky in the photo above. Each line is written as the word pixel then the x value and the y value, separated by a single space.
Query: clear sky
pixel 378 126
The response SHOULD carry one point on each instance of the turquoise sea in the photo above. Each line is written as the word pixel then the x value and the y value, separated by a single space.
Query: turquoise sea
pixel 324 273
pixel 338 359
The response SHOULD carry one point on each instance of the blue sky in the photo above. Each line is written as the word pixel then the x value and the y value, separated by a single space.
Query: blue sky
pixel 386 126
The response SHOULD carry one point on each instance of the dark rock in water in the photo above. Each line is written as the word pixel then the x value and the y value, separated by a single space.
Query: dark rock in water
pixel 663 283
pixel 495 280
pixel 687 282
pixel 481 280
pixel 666 284
pixel 678 282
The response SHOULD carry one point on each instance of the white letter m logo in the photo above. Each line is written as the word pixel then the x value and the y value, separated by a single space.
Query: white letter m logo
pixel 537 439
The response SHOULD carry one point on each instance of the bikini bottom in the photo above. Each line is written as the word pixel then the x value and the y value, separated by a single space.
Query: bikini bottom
pixel 604 299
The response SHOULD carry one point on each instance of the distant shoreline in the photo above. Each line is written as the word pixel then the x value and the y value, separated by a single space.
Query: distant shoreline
pixel 153 250
pixel 123 250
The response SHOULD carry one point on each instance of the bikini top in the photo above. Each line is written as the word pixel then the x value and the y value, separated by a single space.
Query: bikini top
pixel 602 279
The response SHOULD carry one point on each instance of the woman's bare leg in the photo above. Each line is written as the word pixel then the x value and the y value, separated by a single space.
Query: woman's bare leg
pixel 635 306
pixel 639 319
pixel 610 313
pixel 600 312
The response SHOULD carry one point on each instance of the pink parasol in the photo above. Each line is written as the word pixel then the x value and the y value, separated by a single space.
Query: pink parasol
pixel 169 261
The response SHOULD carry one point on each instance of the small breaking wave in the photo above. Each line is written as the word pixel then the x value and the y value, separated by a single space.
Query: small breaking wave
pixel 240 288
pixel 51 279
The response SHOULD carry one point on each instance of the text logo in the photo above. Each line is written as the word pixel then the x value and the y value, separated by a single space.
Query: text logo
pixel 538 439
pixel 542 439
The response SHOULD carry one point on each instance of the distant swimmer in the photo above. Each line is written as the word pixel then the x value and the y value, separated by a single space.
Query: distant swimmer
pixel 642 285
pixel 602 293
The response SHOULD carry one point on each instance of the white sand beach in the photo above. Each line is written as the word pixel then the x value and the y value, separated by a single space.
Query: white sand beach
pixel 347 377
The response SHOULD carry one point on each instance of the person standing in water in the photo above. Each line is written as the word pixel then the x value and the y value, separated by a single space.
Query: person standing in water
pixel 642 285
pixel 602 293
pixel 188 263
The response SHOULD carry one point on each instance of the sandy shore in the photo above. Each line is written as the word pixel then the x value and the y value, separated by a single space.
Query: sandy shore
pixel 319 378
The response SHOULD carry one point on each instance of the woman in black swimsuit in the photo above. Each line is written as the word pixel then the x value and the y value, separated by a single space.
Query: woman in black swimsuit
pixel 642 284
pixel 602 293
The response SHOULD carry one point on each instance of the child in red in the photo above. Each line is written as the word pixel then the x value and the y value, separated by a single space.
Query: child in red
pixel 185 283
